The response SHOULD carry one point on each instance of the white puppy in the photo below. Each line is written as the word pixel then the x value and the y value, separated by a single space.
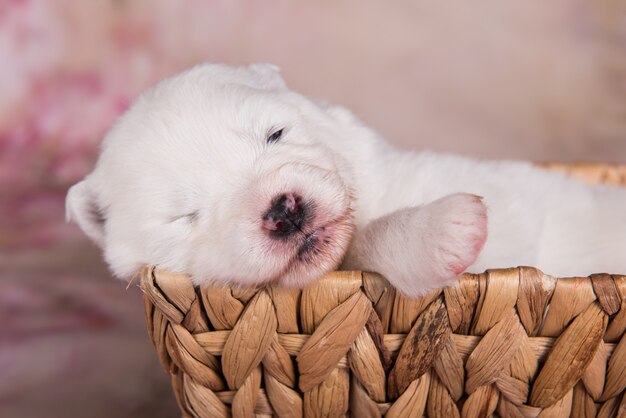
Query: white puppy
pixel 226 174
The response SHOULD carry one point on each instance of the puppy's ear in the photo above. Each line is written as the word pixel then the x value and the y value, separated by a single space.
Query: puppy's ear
pixel 268 76
pixel 82 208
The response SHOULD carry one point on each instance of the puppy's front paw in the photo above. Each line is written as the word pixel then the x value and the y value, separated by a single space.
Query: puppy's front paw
pixel 458 224
pixel 422 248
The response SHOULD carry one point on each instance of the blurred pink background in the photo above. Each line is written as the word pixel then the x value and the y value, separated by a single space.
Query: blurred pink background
pixel 543 81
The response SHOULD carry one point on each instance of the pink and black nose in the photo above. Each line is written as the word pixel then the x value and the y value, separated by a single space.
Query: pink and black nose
pixel 285 216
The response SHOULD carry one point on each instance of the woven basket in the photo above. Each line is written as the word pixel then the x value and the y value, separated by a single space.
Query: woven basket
pixel 508 343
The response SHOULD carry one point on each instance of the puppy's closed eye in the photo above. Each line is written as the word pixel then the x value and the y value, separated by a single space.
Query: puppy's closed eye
pixel 275 136
pixel 188 217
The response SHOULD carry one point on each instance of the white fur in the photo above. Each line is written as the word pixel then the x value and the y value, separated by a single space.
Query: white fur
pixel 186 174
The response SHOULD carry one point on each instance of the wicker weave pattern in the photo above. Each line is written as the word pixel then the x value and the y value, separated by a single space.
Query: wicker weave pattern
pixel 514 342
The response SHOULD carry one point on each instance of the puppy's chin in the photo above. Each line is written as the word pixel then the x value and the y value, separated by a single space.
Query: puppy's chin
pixel 318 253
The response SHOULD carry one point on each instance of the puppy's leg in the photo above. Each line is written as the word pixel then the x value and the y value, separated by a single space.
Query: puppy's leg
pixel 421 248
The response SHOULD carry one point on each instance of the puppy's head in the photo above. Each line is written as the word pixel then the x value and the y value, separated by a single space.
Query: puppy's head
pixel 222 173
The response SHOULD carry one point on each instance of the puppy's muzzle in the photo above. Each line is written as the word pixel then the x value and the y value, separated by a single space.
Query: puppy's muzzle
pixel 286 216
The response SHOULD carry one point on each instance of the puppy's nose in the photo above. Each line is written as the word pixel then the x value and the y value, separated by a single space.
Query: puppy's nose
pixel 285 215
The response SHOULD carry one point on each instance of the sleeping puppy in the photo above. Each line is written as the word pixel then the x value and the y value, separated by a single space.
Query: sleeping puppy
pixel 226 174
